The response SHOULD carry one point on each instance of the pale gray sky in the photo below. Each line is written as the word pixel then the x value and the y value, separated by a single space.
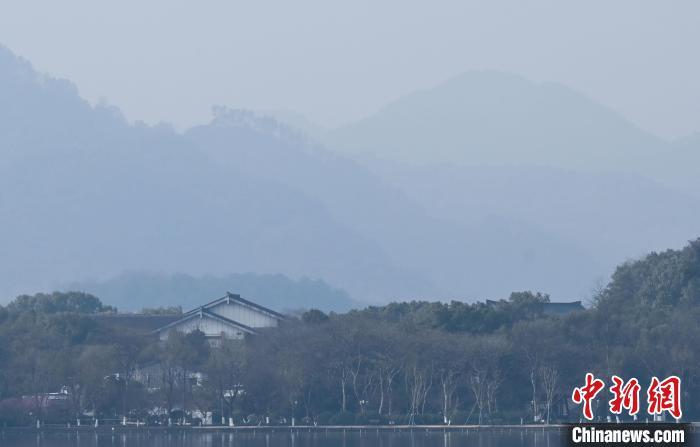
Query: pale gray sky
pixel 337 61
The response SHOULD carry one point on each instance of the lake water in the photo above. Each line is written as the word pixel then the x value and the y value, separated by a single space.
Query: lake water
pixel 504 438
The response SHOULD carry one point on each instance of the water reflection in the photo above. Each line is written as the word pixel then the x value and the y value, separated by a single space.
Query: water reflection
pixel 367 438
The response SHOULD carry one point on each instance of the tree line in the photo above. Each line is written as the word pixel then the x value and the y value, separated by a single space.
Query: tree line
pixel 414 362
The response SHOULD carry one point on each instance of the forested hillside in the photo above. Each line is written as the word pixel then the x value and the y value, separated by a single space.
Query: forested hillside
pixel 406 362
pixel 86 194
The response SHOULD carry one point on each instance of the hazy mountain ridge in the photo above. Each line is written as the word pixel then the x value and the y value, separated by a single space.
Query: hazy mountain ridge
pixel 489 117
pixel 130 291
pixel 495 144
pixel 87 195
pixel 613 216
pixel 248 194
pixel 463 260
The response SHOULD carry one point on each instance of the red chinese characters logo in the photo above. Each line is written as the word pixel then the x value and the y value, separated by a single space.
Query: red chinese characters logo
pixel 665 396
pixel 624 396
pixel 587 393
pixel 662 396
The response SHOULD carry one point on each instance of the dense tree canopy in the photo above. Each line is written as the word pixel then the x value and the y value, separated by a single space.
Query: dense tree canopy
pixel 406 362
pixel 660 280
pixel 58 302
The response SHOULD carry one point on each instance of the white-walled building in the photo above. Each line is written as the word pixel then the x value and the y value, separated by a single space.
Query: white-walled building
pixel 230 316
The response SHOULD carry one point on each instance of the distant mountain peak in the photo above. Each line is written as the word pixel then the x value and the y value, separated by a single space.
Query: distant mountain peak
pixel 494 117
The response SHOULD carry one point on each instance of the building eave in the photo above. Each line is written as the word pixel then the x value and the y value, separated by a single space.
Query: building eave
pixel 202 313
pixel 244 302
pixel 232 297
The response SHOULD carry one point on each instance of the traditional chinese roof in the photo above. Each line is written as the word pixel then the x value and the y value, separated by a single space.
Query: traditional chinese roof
pixel 231 297
pixel 201 312
pixel 206 311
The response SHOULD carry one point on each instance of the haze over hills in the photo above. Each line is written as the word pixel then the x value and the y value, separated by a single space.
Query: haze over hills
pixel 465 260
pixel 488 117
pixel 129 291
pixel 613 217
pixel 84 194
pixel 494 118
pixel 490 143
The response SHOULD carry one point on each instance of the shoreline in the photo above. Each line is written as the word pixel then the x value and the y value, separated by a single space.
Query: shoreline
pixel 298 429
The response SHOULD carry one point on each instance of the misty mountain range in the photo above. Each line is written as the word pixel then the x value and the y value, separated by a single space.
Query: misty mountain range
pixel 130 290
pixel 495 118
pixel 486 184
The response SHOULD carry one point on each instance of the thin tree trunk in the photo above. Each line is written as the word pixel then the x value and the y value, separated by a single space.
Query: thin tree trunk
pixel 533 381
pixel 381 392
pixel 343 380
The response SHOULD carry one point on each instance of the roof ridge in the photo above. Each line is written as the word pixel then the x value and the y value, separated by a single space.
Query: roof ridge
pixel 255 305
pixel 234 322
pixel 206 304
pixel 203 311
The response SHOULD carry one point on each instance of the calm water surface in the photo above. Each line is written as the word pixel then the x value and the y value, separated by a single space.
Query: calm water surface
pixel 331 439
